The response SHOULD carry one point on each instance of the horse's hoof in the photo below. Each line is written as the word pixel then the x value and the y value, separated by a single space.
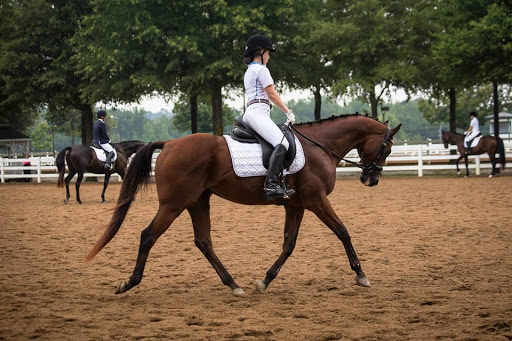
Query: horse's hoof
pixel 363 281
pixel 260 287
pixel 121 287
pixel 66 201
pixel 239 292
pixel 491 175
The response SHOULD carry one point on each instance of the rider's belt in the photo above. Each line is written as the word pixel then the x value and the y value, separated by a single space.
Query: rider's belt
pixel 259 100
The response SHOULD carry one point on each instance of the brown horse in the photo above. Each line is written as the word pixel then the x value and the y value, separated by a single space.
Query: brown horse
pixel 190 169
pixel 488 144
pixel 82 158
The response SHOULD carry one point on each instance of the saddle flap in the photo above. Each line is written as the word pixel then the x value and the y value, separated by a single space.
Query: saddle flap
pixel 243 133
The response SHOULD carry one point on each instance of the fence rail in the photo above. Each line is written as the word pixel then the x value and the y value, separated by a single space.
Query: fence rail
pixel 407 158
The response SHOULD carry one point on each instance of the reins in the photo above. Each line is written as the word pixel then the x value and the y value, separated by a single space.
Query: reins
pixel 370 168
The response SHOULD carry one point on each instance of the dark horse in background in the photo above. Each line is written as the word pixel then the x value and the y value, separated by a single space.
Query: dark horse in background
pixel 488 144
pixel 82 158
pixel 192 168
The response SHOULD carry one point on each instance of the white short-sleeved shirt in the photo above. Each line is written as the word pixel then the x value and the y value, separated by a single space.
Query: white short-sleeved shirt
pixel 476 125
pixel 256 79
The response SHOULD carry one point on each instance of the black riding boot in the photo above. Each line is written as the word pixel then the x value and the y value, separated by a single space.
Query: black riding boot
pixel 108 162
pixel 272 188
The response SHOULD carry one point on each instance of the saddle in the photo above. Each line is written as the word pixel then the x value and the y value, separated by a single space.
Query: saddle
pixel 242 133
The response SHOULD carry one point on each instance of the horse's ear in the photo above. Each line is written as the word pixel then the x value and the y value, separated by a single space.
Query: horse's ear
pixel 387 122
pixel 395 129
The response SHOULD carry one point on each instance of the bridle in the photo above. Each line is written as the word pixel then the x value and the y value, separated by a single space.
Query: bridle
pixel 372 168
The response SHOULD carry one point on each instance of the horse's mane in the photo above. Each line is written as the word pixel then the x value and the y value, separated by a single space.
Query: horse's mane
pixel 333 117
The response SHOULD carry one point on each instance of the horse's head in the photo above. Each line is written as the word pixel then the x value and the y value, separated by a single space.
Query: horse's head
pixel 373 153
pixel 445 137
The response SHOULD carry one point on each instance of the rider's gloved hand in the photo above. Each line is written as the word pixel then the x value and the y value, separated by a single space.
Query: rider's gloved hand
pixel 290 118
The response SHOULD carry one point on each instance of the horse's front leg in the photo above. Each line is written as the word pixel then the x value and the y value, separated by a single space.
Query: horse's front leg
pixel 200 214
pixel 291 230
pixel 105 185
pixel 326 213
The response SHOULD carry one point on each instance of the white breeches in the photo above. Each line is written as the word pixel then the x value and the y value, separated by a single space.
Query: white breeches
pixel 107 147
pixel 469 137
pixel 257 116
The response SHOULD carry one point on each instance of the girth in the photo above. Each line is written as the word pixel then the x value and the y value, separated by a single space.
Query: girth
pixel 242 133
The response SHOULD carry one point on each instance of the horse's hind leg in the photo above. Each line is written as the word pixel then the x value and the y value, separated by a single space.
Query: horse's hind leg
pixel 148 238
pixel 493 162
pixel 67 181
pixel 291 230
pixel 105 185
pixel 200 214
pixel 77 186
pixel 457 163
pixel 466 161
pixel 326 213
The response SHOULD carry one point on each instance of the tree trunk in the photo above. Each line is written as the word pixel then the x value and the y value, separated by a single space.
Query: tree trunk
pixel 218 127
pixel 86 124
pixel 373 104
pixel 318 103
pixel 453 103
pixel 496 109
pixel 193 113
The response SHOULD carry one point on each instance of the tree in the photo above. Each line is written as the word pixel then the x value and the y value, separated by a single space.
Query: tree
pixel 485 46
pixel 42 137
pixel 36 63
pixel 205 124
pixel 367 39
pixel 194 48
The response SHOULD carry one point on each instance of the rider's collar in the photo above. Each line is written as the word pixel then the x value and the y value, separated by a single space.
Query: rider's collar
pixel 251 63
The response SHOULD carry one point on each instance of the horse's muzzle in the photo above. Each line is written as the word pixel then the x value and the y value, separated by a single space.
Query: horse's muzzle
pixel 369 180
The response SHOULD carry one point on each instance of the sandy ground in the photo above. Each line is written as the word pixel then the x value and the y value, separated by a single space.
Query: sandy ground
pixel 436 250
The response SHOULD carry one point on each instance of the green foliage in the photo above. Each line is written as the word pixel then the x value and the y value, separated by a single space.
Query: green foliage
pixel 478 99
pixel 42 137
pixel 181 118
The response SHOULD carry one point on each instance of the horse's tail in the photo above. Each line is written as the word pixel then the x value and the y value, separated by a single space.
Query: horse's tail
pixel 138 174
pixel 501 151
pixel 60 161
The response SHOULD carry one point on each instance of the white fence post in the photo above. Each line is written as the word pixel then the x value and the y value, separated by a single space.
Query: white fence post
pixel 39 170
pixel 2 169
pixel 420 160
pixel 477 164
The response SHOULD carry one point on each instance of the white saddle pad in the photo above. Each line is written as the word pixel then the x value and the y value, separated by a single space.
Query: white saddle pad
pixel 247 158
pixel 475 141
pixel 101 155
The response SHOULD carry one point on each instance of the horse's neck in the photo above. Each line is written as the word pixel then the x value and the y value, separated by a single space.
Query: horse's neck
pixel 128 148
pixel 456 138
pixel 340 135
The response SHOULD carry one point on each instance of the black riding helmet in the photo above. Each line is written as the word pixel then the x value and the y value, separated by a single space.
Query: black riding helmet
pixel 258 42
pixel 473 114
pixel 102 113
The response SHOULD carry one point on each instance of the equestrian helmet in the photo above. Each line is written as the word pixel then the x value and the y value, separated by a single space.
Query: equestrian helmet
pixel 102 113
pixel 258 42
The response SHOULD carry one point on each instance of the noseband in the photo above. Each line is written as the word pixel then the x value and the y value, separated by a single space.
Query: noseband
pixel 375 167
pixel 370 168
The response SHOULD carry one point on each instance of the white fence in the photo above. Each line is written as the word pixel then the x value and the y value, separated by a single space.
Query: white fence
pixel 408 158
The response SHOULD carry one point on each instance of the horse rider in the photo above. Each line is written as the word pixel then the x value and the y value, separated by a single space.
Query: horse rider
pixel 472 132
pixel 101 138
pixel 260 93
